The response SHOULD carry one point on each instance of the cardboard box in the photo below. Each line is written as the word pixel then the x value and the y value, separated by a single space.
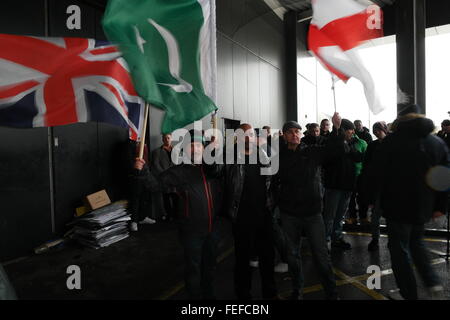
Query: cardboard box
pixel 81 210
pixel 97 200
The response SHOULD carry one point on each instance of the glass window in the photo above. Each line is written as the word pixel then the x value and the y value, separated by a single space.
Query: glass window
pixel 379 57
pixel 315 96
pixel 437 74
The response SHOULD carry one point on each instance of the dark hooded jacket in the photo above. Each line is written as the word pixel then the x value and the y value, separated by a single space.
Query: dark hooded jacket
pixel 367 174
pixel 341 173
pixel 199 194
pixel 445 136
pixel 364 134
pixel 324 134
pixel 400 168
pixel 312 140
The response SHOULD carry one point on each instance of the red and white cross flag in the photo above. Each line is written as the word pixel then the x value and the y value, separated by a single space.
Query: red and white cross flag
pixel 337 31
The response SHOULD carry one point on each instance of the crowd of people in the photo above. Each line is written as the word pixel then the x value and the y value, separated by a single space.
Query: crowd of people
pixel 334 173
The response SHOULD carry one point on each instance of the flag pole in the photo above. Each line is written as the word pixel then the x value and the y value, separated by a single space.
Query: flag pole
pixel 143 132
pixel 214 123
pixel 334 92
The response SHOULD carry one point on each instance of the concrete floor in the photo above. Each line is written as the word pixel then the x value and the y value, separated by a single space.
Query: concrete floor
pixel 149 265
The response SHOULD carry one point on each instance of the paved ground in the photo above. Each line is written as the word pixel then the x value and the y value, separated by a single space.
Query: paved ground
pixel 149 265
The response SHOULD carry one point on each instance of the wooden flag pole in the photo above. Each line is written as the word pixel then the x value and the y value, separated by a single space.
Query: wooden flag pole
pixel 143 132
pixel 214 123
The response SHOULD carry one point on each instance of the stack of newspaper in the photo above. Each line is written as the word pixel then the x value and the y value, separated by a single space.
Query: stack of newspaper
pixel 103 227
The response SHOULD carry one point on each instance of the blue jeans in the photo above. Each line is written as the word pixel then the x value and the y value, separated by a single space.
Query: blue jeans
pixel 200 253
pixel 336 204
pixel 313 228
pixel 406 246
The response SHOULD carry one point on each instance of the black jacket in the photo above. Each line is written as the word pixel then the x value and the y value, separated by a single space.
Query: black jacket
pixel 367 174
pixel 365 135
pixel 312 140
pixel 401 164
pixel 234 182
pixel 340 173
pixel 324 134
pixel 199 194
pixel 444 136
pixel 298 182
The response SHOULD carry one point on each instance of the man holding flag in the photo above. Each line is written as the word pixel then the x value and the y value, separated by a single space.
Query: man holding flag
pixel 169 47
pixel 199 194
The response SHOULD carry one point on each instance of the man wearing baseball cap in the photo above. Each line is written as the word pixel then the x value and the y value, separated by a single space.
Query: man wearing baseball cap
pixel 199 201
pixel 299 198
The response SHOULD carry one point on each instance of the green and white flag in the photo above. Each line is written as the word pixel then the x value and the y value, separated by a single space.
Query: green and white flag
pixel 170 49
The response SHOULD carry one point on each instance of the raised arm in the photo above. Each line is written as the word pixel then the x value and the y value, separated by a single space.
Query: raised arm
pixel 335 145
pixel 166 182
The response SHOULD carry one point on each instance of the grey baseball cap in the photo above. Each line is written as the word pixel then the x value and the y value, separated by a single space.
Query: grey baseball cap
pixel 291 124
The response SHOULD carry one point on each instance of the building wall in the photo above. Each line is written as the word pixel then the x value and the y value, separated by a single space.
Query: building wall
pixel 61 165
pixel 250 64
pixel 86 157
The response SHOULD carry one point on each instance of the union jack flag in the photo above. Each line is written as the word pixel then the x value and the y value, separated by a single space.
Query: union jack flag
pixel 56 81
